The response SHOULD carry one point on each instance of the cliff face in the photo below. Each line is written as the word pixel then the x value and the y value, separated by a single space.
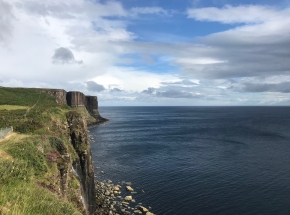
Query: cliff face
pixel 83 165
pixel 60 95
pixel 87 112
pixel 50 154
pixel 77 99
pixel 92 103
pixel 77 129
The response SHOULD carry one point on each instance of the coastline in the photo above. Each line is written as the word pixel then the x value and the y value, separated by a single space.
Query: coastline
pixel 94 124
pixel 110 200
pixel 115 199
pixel 53 142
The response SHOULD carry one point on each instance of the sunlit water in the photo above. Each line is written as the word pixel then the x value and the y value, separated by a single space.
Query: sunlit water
pixel 199 160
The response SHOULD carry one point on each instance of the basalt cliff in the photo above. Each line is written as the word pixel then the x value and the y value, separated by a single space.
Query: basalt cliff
pixel 78 137
pixel 46 164
pixel 77 99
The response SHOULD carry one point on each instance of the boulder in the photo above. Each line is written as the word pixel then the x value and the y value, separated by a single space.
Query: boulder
pixel 128 198
pixel 129 188
pixel 143 209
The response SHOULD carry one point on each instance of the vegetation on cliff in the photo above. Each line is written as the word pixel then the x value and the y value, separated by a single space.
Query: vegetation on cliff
pixel 36 162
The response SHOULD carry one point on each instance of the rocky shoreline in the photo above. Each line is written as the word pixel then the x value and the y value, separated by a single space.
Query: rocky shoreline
pixel 117 199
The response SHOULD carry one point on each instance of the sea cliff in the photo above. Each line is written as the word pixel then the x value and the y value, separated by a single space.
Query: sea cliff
pixel 49 152
pixel 78 100
pixel 46 164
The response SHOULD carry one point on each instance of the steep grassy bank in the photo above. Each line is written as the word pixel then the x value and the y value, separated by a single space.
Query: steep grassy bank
pixel 36 162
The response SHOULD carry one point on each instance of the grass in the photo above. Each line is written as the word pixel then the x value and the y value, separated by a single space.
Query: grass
pixel 30 157
pixel 26 171
pixel 24 199
pixel 29 110
pixel 85 113
pixel 13 107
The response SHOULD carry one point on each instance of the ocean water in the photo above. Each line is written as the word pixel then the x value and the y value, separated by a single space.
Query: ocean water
pixel 199 160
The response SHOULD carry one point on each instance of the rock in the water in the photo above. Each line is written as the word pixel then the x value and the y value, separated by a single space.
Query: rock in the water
pixel 107 193
pixel 143 209
pixel 129 188
pixel 116 188
pixel 128 198
pixel 137 212
pixel 149 213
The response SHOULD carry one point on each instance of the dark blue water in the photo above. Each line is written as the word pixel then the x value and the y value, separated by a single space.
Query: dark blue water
pixel 199 160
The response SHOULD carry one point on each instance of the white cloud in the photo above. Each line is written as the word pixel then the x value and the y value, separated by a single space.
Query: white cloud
pixel 41 28
pixel 6 18
pixel 132 80
pixel 197 61
pixel 258 48
pixel 240 14
pixel 149 10
pixel 214 68
pixel 71 9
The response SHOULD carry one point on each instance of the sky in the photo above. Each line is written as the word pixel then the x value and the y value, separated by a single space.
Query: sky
pixel 150 52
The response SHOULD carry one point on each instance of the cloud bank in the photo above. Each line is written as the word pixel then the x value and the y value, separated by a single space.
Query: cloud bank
pixel 95 47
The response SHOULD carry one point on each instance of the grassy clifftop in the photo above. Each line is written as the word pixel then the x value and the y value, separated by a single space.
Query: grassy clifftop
pixel 36 160
pixel 29 110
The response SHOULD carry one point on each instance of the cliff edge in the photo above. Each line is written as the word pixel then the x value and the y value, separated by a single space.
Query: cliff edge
pixel 78 100
pixel 49 153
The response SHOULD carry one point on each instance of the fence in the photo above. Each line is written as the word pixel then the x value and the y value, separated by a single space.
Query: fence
pixel 5 131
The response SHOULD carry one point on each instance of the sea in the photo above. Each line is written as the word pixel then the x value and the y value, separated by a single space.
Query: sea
pixel 198 160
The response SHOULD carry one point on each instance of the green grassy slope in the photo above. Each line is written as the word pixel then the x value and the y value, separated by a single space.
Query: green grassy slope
pixel 30 159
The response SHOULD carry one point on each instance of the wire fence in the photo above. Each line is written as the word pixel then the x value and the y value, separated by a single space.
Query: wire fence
pixel 5 131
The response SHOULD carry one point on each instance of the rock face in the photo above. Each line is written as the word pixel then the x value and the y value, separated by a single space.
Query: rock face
pixel 77 128
pixel 83 165
pixel 60 95
pixel 91 103
pixel 77 99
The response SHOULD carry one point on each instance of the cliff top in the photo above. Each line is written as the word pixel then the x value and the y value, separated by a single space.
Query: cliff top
pixel 37 158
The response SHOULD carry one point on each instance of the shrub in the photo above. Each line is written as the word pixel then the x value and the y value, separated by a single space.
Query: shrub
pixel 58 144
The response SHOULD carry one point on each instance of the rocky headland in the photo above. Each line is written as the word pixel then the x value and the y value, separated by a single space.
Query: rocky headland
pixel 78 100
pixel 51 133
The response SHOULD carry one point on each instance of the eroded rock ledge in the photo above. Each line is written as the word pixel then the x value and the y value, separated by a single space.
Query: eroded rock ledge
pixel 83 165
pixel 78 100
pixel 77 121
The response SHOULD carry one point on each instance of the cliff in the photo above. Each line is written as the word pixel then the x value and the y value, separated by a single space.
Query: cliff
pixel 83 164
pixel 77 99
pixel 60 95
pixel 49 154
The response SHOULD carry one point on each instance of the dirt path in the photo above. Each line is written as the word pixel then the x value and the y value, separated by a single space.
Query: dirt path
pixel 12 136
pixel 27 111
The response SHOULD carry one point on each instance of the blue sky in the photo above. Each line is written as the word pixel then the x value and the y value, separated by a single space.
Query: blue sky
pixel 145 52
